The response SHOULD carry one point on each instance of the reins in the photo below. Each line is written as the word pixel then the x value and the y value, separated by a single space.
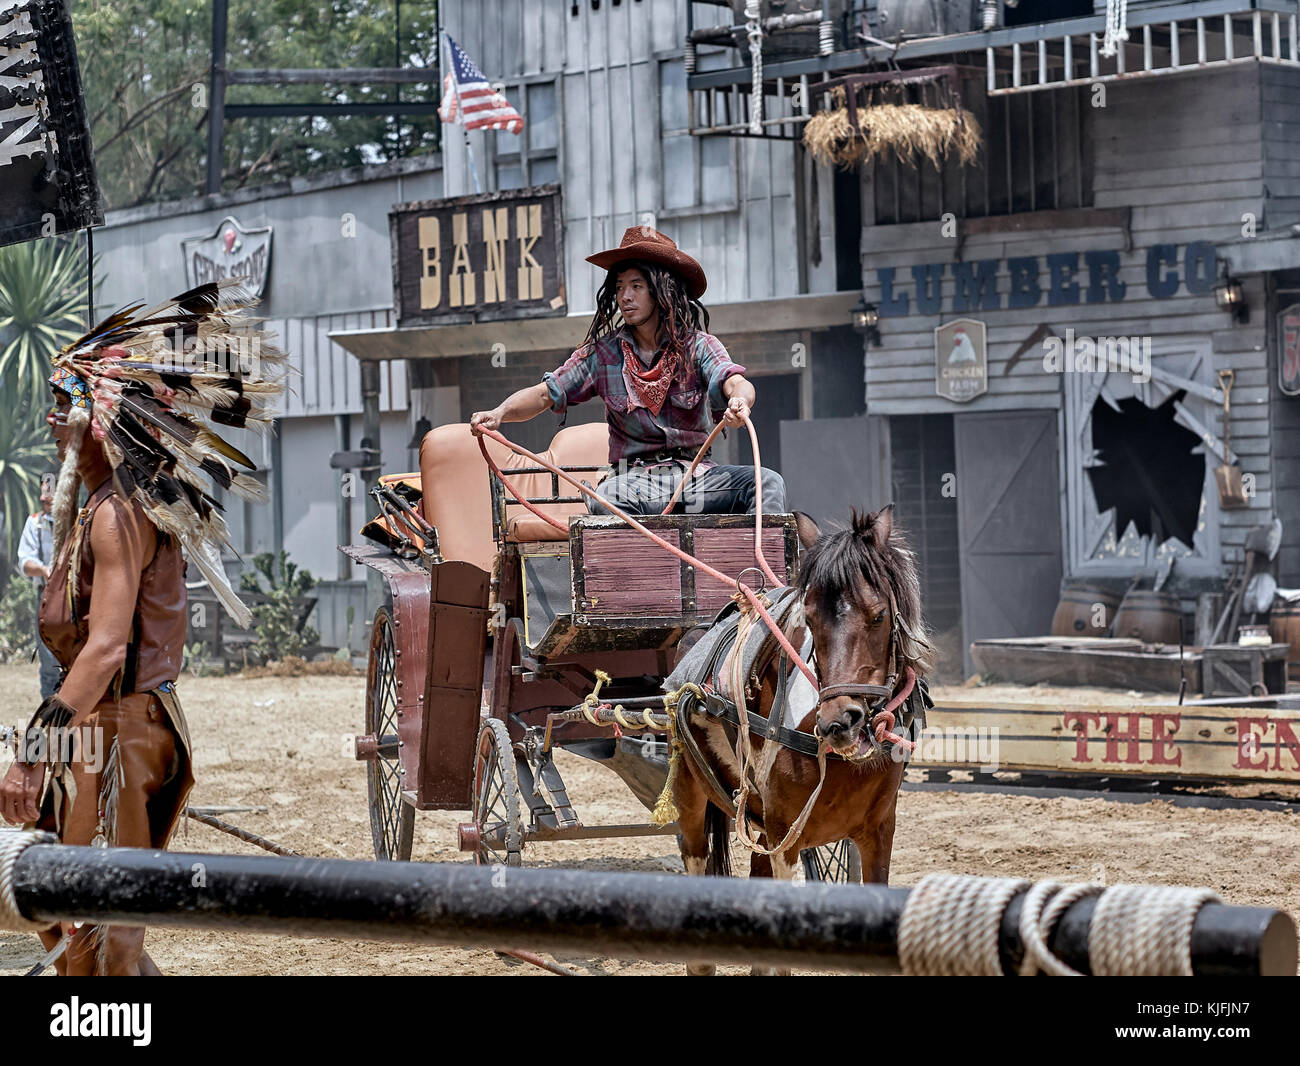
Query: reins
pixel 882 728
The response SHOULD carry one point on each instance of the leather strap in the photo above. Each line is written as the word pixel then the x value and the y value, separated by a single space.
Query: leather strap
pixel 830 692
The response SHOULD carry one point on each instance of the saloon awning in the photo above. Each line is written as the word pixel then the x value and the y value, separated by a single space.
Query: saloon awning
pixel 816 311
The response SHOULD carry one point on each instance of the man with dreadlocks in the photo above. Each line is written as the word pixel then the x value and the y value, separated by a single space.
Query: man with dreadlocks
pixel 128 422
pixel 650 357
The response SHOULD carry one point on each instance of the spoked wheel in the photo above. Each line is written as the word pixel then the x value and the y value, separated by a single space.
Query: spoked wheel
pixel 838 862
pixel 392 819
pixel 496 798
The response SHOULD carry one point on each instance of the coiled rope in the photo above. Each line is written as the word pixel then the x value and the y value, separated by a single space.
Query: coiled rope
pixel 951 924
pixel 13 842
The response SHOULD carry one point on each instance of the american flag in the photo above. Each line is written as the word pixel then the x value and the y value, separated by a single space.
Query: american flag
pixel 483 106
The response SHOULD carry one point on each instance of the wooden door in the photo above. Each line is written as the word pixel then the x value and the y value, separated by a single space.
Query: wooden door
pixel 1009 523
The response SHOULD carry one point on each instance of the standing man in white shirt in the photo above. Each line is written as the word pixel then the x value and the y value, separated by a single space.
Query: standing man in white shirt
pixel 35 557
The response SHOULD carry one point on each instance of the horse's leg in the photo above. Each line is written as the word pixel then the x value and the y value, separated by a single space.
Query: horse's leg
pixel 692 809
pixel 780 868
pixel 875 844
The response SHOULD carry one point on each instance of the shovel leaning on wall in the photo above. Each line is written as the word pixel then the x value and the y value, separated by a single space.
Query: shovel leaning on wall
pixel 1232 494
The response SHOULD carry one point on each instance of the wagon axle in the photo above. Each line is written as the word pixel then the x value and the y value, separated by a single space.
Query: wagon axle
pixel 369 747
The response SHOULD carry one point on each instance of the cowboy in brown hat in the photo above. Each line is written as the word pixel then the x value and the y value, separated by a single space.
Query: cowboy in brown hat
pixel 648 354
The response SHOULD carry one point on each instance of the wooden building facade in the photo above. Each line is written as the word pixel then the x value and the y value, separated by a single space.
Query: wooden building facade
pixel 1113 200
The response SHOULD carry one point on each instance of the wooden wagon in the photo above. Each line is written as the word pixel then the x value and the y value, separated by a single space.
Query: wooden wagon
pixel 496 622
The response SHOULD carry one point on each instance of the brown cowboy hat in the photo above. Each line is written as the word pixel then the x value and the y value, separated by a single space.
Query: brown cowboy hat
pixel 645 242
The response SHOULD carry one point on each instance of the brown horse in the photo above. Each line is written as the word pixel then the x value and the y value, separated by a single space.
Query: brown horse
pixel 861 604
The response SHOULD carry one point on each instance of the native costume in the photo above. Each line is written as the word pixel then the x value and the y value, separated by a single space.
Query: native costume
pixel 143 384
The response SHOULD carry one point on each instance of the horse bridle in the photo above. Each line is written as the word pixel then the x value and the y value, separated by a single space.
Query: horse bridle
pixel 881 693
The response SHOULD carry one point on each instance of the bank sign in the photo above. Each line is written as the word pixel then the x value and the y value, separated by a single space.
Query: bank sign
pixel 479 258
pixel 1060 279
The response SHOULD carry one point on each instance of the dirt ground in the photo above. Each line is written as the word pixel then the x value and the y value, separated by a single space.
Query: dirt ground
pixel 283 744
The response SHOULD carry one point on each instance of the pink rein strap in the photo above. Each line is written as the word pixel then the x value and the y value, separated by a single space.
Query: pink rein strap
pixel 717 575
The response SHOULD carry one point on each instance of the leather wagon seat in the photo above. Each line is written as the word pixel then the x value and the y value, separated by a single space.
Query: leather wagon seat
pixel 458 501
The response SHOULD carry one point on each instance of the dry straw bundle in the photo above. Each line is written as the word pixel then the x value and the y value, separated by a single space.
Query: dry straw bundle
pixel 911 131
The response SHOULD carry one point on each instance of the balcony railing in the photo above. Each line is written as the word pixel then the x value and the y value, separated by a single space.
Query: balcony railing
pixel 1167 39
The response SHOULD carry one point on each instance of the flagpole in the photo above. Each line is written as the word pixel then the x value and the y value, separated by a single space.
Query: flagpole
pixel 460 111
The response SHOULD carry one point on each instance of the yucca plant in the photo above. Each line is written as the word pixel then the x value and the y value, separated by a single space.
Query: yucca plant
pixel 42 308
pixel 26 451
pixel 42 292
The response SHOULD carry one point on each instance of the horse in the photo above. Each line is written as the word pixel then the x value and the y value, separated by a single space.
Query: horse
pixel 858 596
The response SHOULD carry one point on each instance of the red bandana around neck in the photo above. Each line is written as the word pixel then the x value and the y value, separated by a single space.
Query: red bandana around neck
pixel 648 388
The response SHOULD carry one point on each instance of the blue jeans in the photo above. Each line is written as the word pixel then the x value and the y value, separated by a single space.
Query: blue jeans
pixel 49 667
pixel 646 490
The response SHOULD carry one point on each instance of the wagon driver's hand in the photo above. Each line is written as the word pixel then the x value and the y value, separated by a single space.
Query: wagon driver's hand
pixel 481 420
pixel 737 412
pixel 20 793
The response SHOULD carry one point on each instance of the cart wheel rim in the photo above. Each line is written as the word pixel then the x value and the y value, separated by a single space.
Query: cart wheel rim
pixel 837 863
pixel 392 819
pixel 496 798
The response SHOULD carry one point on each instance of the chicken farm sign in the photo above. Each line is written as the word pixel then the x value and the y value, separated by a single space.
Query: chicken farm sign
pixel 961 369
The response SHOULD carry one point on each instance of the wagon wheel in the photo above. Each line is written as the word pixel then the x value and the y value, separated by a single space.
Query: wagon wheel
pixel 496 798
pixel 392 819
pixel 838 862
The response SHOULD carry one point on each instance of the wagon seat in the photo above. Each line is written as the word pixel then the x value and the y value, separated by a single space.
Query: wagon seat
pixel 457 495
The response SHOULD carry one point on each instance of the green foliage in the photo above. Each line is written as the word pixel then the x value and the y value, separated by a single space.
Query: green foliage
pixel 276 619
pixel 145 67
pixel 42 293
pixel 18 621
pixel 42 308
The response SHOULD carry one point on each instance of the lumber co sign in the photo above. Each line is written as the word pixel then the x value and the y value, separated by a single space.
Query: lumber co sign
pixel 1071 278
pixel 479 258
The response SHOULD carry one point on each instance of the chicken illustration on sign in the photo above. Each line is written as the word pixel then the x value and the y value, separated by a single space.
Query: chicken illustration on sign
pixel 961 360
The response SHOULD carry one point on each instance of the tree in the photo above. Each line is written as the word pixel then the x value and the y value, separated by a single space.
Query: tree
pixel 145 71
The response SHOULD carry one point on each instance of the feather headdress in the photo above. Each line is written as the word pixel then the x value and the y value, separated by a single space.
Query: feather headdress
pixel 155 382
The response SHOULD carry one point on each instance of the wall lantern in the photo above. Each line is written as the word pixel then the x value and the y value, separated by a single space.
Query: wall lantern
pixel 1229 296
pixel 865 320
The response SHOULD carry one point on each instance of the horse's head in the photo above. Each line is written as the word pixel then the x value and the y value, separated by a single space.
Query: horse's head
pixel 862 605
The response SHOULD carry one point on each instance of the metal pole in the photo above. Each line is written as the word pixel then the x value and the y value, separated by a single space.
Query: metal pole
pixel 460 115
pixel 217 96
pixel 370 475
pixel 343 530
pixel 650 916
pixel 90 277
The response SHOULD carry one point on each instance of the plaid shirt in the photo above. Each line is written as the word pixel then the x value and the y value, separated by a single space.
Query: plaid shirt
pixel 684 420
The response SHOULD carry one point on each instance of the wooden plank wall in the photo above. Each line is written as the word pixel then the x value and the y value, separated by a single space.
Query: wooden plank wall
pixel 325 379
pixel 1279 91
pixel 1186 154
pixel 624 153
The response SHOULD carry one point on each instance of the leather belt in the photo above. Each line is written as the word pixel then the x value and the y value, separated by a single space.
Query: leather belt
pixel 682 455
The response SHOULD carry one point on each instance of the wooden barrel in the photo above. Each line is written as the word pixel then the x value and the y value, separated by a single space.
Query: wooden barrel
pixel 1284 628
pixel 1076 613
pixel 1152 617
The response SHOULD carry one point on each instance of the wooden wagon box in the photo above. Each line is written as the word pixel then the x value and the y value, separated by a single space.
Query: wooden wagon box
pixel 622 580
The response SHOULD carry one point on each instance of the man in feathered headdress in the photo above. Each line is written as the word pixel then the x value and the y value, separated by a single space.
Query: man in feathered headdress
pixel 131 401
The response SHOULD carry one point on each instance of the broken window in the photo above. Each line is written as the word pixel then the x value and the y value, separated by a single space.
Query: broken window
pixel 1148 474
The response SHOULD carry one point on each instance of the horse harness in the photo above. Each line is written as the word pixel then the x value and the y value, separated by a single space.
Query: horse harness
pixel 722 707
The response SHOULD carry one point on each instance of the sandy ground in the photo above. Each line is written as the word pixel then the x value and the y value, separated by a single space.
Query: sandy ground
pixel 280 743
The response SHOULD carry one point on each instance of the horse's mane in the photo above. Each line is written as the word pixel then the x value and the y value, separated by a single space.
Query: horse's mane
pixel 832 566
